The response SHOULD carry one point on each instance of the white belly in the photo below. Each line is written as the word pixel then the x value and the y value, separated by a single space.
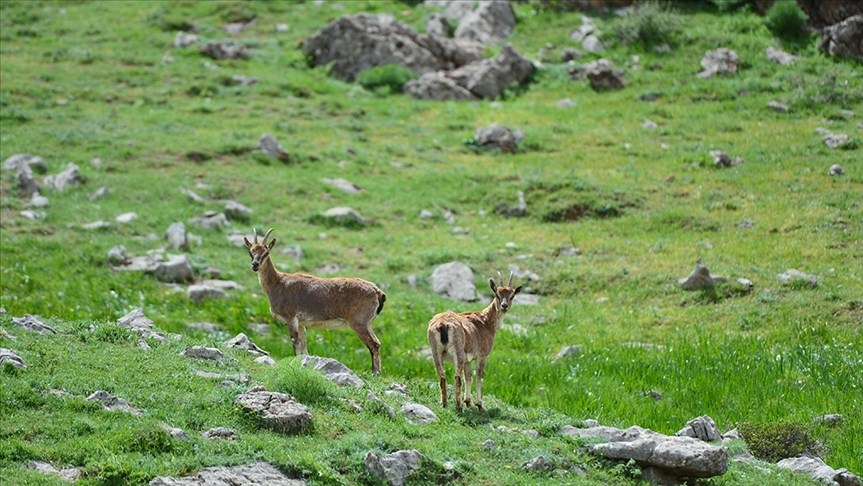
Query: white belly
pixel 331 324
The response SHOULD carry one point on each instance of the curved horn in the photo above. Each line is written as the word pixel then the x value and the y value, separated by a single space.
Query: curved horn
pixel 256 235
pixel 510 280
pixel 268 235
pixel 500 278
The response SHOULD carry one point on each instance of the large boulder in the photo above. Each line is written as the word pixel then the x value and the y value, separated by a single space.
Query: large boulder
pixel 823 13
pixel 277 410
pixel 484 79
pixel 845 39
pixel 455 281
pixel 354 43
pixel 490 22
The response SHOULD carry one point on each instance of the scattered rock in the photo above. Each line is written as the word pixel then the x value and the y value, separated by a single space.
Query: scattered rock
pixel 265 360
pixel 68 474
pixel 295 252
pixel 820 471
pixel 601 75
pixel 565 103
pixel 126 217
pixel 210 220
pixel 393 468
pixel 720 61
pixel 438 87
pixel 223 433
pixel 176 433
pixel 650 125
pixel 112 403
pixel 270 147
pixel 831 419
pixel 236 211
pixel 793 275
pixel 147 263
pixel 136 320
pixel 517 211
pixel 333 370
pixel 253 474
pixel 198 293
pixel 176 236
pixel 701 428
pixel 488 22
pixel 277 410
pixel 437 24
pixel 374 399
pixel 539 463
pixel 242 341
pixel 33 324
pixel 777 106
pixel 454 281
pixel 569 351
pixel 178 269
pixel 9 357
pixel 40 201
pixel 836 170
pixel 570 54
pixel 699 279
pixel 496 136
pixel 17 161
pixel 243 80
pixel 844 39
pixel 236 237
pixel 662 48
pixel 235 28
pixel 192 195
pixel 100 193
pixel 26 181
pixel 68 178
pixel 201 352
pixel 33 215
pixel 225 50
pixel 835 140
pixel 184 39
pixel 722 159
pixel 228 379
pixel 418 414
pixel 344 185
pixel 780 56
pixel 344 216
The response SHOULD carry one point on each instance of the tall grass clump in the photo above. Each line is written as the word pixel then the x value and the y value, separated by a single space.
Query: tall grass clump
pixel 388 78
pixel 786 19
pixel 653 23
pixel 773 442
pixel 304 384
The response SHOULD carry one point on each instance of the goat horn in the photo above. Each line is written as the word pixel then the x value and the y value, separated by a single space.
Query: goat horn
pixel 268 235
pixel 500 278
pixel 256 235
pixel 510 280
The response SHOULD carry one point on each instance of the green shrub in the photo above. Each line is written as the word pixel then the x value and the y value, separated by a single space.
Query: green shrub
pixel 653 23
pixel 390 76
pixel 780 440
pixel 786 19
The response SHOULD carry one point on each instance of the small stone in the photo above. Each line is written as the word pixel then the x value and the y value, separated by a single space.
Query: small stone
pixel 117 254
pixel 793 274
pixel 831 420
pixel 650 125
pixel 836 170
pixel 569 351
pixel 835 140
pixel 282 27
pixel 565 103
pixel 126 217
pixel 38 200
pixel 777 106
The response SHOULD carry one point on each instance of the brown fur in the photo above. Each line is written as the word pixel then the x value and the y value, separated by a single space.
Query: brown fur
pixel 300 301
pixel 465 337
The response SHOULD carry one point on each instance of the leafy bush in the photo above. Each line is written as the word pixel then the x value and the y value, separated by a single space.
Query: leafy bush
pixel 786 19
pixel 653 23
pixel 390 76
pixel 780 440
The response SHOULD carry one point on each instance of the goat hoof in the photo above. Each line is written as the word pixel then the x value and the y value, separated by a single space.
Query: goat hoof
pixel 480 406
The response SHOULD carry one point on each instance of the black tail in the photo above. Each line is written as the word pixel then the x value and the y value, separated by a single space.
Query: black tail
pixel 381 299
pixel 444 337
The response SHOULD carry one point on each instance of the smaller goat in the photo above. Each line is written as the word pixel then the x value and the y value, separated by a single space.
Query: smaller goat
pixel 468 336
pixel 300 301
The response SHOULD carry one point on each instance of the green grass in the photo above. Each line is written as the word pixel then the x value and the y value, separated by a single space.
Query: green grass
pixel 592 178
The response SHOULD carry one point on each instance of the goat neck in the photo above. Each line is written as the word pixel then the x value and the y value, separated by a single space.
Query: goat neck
pixel 493 315
pixel 268 276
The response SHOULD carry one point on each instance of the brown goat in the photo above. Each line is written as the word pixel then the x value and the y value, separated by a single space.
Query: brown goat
pixel 300 301
pixel 468 336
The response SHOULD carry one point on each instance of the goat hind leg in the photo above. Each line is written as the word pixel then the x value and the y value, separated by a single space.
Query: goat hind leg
pixel 438 366
pixel 468 379
pixel 367 336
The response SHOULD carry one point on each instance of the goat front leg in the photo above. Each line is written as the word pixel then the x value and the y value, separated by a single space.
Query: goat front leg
pixel 480 371
pixel 468 378
pixel 298 336
pixel 459 373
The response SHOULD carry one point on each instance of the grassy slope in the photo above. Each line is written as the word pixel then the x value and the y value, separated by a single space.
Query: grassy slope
pixel 778 354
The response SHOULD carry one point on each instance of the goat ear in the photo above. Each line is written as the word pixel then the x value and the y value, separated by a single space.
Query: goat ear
pixel 492 285
pixel 517 290
pixel 247 242
pixel 272 244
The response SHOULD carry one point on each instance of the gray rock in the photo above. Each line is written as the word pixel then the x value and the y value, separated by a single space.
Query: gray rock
pixel 192 195
pixel 242 341
pixel 539 463
pixel 581 32
pixel 210 220
pixel 126 217
pixel 68 178
pixel 650 125
pixel 32 215
pixel 490 22
pixel 343 185
pixel 17 161
pixel 569 54
pixel 176 433
pixel 792 275
pixel 184 39
pixel 569 351
pixel 197 293
pixel 243 80
pixel 225 50
pixel 68 474
pixel 455 281
pixel 418 414
pixel 374 398
pixel 236 211
pixel 496 136
pixel 835 140
pixel 147 263
pixel 229 377
pixel 700 278
pixel 353 43
pixel 176 236
pixel 830 419
pixel 781 57
pixel 112 403
pixel 202 352
pixel 277 410
pixel 835 170
pixel 722 159
pixel 26 181
pixel 565 103
pixel 265 360
pixel 295 252
pixel 720 61
pixel 662 48
pixel 38 201
pixel 178 269
pixel 778 106
pixel 270 147
pixel 591 43
pixel 394 468
pixel 96 225
pixel 136 320
pixel 223 433
pixel 820 471
pixel 117 255
pixel 9 357
pixel 701 428
pixel 437 24
pixel 602 76
pixel 844 39
pixel 333 370
pixel 33 324
pixel 100 193
pixel 437 86
pixel 342 215
pixel 258 473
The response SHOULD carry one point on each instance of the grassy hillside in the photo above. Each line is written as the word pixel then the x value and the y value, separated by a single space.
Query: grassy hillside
pixel 81 80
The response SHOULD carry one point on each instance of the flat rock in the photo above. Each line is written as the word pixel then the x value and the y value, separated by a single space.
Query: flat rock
pixel 68 474
pixel 202 352
pixel 343 185
pixel 126 217
pixel 112 404
pixel 192 195
pixel 210 220
pixel 333 370
pixel 278 411
pixel 17 161
pixel 33 324
pixel 236 211
pixel 835 140
pixel 418 414
pixel 258 473
pixel 184 39
pixel 779 56
pixel 719 61
pixel 569 351
pixel 342 215
pixel 818 470
pixel 223 433
pixel 225 50
pixel 136 320
pixel 792 274
pixel 178 269
pixel 199 293
pixel 146 263
pixel 265 360
pixel 778 106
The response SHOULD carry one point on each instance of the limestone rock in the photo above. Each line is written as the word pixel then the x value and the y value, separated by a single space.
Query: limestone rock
pixel 26 181
pixel 258 473
pixel 192 195
pixel 844 39
pixel 32 324
pixel 220 433
pixel 569 351
pixel 178 269
pixel 778 106
pixel 278 411
pixel 9 357
pixel 225 50
pixel 270 147
pixel 437 24
pixel 343 185
pixel 836 170
pixel 455 281
pixel 210 220
pixel 236 211
pixel 176 236
pixel 418 414
pixel 490 22
pixel 700 278
pixel 820 471
pixel 183 39
pixel 68 178
pixel 17 161
pixel 496 136
pixel 792 274
pixel 333 370
pixel 68 474
pixel 701 428
pixel 437 86
pixel 720 61
pixel 242 341
pixel 202 352
pixel 265 360
pixel 539 463
pixel 394 468
pixel 344 215
pixel 835 140
pixel 779 56
pixel 569 54
pixel 112 403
